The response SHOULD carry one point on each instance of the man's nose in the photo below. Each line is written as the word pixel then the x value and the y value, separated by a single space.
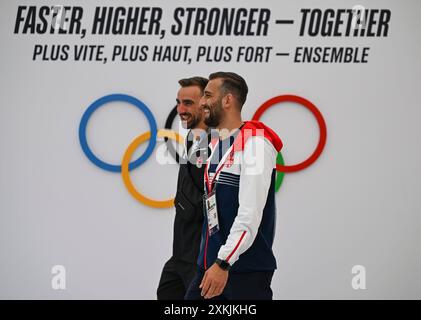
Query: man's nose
pixel 202 102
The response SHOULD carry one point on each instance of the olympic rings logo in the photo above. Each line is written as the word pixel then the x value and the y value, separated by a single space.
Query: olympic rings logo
pixel 154 133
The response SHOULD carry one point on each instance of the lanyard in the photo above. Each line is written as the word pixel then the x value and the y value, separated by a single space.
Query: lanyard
pixel 210 184
pixel 230 152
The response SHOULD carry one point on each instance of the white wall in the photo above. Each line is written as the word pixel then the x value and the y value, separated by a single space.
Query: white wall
pixel 358 204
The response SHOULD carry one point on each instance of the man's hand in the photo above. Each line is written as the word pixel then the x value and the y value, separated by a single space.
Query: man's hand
pixel 213 282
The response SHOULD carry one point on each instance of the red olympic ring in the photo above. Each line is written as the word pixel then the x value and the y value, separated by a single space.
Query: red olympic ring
pixel 321 122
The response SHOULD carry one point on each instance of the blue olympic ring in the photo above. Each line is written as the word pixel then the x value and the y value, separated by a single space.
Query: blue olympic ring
pixel 99 103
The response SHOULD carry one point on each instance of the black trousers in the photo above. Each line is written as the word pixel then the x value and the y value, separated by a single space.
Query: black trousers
pixel 240 286
pixel 175 279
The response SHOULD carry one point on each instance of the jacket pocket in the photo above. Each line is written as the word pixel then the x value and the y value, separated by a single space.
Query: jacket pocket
pixel 184 208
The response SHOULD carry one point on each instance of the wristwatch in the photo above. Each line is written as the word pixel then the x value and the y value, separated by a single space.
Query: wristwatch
pixel 223 264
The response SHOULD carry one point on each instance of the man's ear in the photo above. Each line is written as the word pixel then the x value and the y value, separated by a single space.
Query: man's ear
pixel 227 100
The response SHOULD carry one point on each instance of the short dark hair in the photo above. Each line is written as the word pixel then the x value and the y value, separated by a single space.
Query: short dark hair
pixel 194 81
pixel 232 83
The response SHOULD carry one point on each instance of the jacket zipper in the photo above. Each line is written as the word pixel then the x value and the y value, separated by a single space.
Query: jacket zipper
pixel 206 247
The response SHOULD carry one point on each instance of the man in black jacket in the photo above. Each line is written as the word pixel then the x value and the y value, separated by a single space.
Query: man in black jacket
pixel 180 269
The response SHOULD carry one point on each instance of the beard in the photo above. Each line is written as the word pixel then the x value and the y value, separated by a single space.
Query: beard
pixel 215 114
pixel 191 122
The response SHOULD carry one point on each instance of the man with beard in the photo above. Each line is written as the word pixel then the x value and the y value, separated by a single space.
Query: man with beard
pixel 236 259
pixel 180 269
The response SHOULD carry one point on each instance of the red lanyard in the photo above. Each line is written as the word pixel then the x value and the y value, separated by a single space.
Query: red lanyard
pixel 209 184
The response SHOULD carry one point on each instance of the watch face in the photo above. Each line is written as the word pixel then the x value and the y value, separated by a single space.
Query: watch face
pixel 223 264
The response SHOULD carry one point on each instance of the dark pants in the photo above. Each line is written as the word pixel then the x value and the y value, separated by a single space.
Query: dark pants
pixel 240 286
pixel 175 279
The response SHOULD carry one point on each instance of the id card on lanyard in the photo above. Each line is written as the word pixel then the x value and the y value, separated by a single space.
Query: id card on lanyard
pixel 210 197
pixel 211 212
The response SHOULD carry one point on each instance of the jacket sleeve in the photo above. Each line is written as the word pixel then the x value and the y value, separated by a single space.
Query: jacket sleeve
pixel 257 164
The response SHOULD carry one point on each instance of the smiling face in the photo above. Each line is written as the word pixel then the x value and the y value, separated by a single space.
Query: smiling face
pixel 188 106
pixel 212 103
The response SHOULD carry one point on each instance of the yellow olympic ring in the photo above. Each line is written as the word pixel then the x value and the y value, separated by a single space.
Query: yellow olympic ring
pixel 125 168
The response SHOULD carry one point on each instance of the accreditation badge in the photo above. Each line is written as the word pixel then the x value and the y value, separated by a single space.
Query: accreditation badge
pixel 211 212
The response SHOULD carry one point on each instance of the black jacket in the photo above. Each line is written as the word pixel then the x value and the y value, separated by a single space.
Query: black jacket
pixel 189 208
